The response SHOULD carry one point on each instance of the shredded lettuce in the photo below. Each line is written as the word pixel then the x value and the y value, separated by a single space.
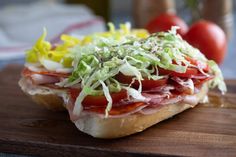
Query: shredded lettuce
pixel 130 70
pixel 97 58
pixel 108 97
pixel 218 80
pixel 135 94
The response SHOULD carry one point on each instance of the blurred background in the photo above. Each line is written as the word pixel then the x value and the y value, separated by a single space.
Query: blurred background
pixel 22 22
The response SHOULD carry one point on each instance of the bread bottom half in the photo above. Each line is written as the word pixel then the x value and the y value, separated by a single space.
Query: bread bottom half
pixel 45 96
pixel 100 127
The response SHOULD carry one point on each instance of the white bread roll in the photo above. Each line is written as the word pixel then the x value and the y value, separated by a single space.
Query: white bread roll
pixel 50 98
pixel 101 127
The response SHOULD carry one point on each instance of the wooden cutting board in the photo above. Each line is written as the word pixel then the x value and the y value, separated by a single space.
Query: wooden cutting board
pixel 26 128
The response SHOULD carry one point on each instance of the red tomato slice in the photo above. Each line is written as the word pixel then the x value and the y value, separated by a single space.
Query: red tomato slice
pixel 146 84
pixel 117 110
pixel 149 84
pixel 101 100
pixel 189 72
pixel 27 72
pixel 123 78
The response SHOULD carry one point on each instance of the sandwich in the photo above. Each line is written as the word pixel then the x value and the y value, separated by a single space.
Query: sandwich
pixel 119 82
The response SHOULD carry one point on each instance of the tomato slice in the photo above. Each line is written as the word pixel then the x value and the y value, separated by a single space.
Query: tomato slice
pixel 149 84
pixel 123 78
pixel 189 72
pixel 90 101
pixel 117 110
pixel 27 72
pixel 146 84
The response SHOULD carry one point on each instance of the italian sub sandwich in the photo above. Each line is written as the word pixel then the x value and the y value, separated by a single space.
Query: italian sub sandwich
pixel 118 82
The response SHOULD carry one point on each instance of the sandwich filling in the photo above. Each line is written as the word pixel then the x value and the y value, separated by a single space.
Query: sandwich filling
pixel 122 71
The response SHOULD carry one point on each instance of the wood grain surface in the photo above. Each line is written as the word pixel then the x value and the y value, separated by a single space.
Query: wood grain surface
pixel 26 128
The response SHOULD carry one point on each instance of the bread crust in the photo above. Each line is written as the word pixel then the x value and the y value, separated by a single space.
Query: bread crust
pixel 100 127
pixel 44 96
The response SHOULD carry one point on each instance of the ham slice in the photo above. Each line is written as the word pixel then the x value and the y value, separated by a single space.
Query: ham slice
pixel 39 79
pixel 27 72
pixel 43 77
pixel 161 89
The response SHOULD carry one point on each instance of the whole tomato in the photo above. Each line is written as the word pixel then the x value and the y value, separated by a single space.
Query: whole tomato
pixel 209 38
pixel 164 22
